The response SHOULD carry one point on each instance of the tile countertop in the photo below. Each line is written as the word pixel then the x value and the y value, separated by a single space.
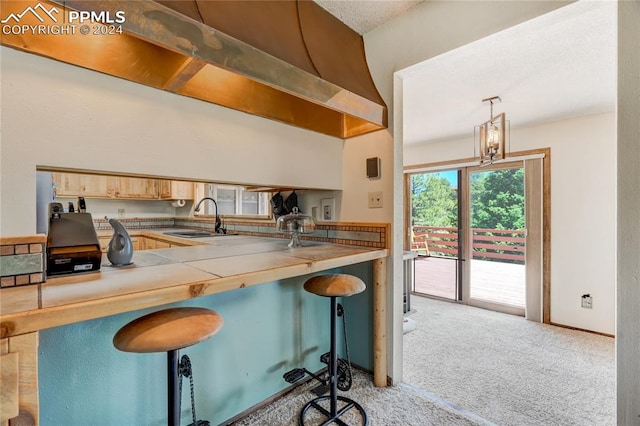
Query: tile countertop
pixel 170 275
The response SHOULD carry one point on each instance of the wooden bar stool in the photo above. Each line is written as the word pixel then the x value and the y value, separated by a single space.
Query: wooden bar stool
pixel 334 286
pixel 169 331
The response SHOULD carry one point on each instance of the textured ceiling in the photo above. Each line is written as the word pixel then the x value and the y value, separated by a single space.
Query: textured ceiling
pixel 557 66
pixel 364 15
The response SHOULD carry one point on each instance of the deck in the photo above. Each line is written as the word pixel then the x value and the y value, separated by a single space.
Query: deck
pixel 491 281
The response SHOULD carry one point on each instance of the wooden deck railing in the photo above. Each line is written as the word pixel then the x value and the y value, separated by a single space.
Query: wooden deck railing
pixel 488 244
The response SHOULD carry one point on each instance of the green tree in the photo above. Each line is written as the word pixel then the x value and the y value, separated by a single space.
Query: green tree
pixel 497 199
pixel 434 200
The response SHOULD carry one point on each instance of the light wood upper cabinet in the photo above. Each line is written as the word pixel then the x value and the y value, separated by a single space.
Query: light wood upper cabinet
pixel 77 185
pixel 176 190
pixel 128 187
pixel 96 186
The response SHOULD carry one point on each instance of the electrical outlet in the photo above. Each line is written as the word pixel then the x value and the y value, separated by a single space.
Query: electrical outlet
pixel 375 200
pixel 120 213
pixel 587 301
pixel 328 209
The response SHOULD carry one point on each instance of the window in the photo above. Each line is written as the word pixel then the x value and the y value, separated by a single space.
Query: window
pixel 232 200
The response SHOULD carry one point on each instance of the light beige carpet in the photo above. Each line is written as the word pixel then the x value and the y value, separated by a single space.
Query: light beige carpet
pixel 508 370
pixel 400 405
pixel 469 366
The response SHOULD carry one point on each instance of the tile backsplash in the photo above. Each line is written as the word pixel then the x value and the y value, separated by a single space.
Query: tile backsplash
pixel 136 223
pixel 22 260
pixel 374 235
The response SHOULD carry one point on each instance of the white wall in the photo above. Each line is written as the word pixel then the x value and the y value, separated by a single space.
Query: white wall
pixel 583 188
pixel 54 114
pixel 355 198
pixel 355 201
pixel 427 30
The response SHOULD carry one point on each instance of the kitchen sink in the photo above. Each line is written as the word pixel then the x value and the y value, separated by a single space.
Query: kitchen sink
pixel 194 234
pixel 189 234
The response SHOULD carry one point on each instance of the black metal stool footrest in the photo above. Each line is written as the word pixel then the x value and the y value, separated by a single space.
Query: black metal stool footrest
pixel 350 403
pixel 294 375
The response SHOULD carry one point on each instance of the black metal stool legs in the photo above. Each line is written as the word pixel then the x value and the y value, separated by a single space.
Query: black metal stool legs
pixel 173 390
pixel 333 415
pixel 333 364
pixel 167 331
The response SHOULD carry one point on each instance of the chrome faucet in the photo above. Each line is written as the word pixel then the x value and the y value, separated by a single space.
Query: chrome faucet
pixel 218 229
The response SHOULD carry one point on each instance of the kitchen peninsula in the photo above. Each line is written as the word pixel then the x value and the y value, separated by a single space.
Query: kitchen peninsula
pixel 223 272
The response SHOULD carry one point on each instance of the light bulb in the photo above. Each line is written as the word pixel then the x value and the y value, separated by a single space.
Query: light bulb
pixel 493 137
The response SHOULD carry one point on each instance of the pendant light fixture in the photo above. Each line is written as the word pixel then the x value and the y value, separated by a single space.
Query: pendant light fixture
pixel 492 135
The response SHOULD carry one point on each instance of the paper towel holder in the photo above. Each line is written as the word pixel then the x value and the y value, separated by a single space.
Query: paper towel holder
pixel 179 203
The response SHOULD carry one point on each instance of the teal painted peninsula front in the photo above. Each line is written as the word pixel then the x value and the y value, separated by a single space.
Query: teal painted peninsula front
pixel 271 325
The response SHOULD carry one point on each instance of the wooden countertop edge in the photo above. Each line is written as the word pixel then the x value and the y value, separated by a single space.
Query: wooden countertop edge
pixel 39 319
pixel 27 239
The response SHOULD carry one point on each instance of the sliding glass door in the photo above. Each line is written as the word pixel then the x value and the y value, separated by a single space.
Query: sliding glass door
pixel 478 232
pixel 434 233
pixel 496 270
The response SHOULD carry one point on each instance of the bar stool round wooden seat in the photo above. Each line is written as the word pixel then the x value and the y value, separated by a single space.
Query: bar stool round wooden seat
pixel 169 330
pixel 334 286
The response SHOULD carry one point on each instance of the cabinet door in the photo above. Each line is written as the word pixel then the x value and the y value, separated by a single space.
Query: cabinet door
pixel 152 243
pixel 176 190
pixel 147 243
pixel 67 185
pixel 182 190
pixel 162 244
pixel 90 186
pixel 104 243
pixel 165 189
pixel 136 188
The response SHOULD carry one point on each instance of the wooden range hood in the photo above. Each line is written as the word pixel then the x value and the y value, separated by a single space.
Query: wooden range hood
pixel 289 61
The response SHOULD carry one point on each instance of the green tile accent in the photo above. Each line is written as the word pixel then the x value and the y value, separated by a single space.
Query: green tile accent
pixel 318 233
pixel 157 223
pixel 21 264
pixel 266 229
pixel 246 228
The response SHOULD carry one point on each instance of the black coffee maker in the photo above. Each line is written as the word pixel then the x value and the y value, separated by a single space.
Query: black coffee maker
pixel 72 243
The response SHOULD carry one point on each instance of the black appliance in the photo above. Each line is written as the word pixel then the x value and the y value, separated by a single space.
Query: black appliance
pixel 72 244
